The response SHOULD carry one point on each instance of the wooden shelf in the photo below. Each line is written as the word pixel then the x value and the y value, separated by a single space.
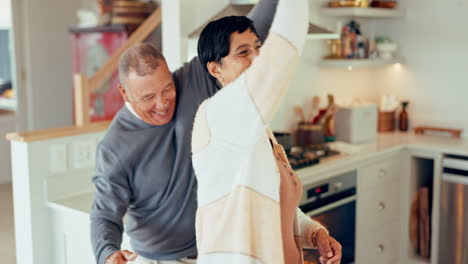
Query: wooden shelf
pixel 7 104
pixel 318 32
pixel 360 12
pixel 358 63
pixel 58 132
pixel 323 36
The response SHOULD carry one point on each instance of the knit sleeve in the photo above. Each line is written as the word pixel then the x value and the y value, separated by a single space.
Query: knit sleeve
pixel 308 229
pixel 271 72
pixel 110 204
pixel 230 117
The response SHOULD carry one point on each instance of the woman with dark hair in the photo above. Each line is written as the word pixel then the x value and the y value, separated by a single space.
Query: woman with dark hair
pixel 248 195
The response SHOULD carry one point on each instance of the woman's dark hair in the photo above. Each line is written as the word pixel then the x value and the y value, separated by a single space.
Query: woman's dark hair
pixel 215 39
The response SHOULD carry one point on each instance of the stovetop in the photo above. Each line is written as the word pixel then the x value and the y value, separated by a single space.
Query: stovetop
pixel 301 157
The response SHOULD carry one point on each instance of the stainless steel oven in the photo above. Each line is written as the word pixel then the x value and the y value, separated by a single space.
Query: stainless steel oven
pixel 332 203
pixel 453 242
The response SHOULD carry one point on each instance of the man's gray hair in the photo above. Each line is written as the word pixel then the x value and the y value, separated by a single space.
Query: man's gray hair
pixel 143 59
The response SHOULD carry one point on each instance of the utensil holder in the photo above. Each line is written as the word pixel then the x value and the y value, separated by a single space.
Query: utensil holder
pixel 386 121
pixel 308 134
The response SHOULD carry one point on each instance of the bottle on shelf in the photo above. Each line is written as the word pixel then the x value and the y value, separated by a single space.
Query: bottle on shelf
pixel 403 120
pixel 371 48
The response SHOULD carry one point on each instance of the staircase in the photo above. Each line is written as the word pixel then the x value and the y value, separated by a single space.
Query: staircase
pixel 84 85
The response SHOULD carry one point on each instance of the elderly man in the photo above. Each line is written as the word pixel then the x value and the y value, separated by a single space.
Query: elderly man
pixel 143 167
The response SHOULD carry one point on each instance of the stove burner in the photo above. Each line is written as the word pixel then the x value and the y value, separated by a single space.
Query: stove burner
pixel 300 157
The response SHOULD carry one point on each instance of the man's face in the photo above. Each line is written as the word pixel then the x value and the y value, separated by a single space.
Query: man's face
pixel 153 96
pixel 242 51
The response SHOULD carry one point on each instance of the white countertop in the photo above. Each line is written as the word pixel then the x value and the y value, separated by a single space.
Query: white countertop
pixel 78 204
pixel 386 143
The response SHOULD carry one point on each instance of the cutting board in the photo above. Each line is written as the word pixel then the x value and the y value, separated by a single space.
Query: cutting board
pixel 414 223
pixel 424 223
pixel 420 223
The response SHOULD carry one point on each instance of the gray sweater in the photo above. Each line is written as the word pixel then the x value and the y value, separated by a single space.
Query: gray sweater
pixel 145 171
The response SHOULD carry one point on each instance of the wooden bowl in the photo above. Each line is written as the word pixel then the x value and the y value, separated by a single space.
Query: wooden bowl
pixel 383 4
pixel 343 3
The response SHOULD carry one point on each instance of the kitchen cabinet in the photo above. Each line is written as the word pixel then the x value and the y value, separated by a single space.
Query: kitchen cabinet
pixel 72 234
pixel 378 212
pixel 71 239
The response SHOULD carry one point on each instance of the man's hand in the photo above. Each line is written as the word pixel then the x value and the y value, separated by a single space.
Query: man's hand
pixel 329 248
pixel 121 257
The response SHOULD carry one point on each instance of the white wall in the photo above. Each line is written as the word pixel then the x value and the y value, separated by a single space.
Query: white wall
pixel 311 80
pixel 433 38
pixel 181 18
pixel 42 55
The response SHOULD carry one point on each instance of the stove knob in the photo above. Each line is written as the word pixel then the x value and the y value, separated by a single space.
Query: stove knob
pixel 337 186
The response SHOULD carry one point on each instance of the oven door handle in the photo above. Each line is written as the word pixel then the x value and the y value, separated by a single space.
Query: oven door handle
pixel 332 206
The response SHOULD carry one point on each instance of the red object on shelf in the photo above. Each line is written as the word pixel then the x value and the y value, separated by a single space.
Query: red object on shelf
pixel 91 48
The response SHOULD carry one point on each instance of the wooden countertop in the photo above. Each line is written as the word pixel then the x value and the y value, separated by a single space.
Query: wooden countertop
pixel 60 132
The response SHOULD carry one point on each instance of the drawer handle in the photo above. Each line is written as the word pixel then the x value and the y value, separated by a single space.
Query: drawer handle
pixel 381 206
pixel 380 249
pixel 382 173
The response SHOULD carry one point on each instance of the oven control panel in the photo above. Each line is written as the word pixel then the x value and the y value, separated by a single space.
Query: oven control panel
pixel 332 186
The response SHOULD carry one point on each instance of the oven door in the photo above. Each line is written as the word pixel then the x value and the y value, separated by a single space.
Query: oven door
pixel 340 220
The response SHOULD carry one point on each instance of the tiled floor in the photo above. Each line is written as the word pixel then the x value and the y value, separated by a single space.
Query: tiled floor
pixel 7 232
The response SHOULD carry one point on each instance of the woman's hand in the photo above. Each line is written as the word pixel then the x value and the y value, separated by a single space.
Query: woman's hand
pixel 328 247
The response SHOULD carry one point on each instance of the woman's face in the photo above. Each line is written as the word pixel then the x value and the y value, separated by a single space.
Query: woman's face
pixel 243 50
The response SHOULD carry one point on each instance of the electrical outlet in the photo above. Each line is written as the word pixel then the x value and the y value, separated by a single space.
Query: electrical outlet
pixel 58 158
pixel 83 154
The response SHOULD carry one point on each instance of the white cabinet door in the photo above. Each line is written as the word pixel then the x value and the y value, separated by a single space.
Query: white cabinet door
pixel 379 173
pixel 378 212
pixel 78 246
pixel 380 205
pixel 73 238
pixel 379 246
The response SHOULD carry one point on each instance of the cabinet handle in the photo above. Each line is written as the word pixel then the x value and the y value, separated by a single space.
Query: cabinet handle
pixel 381 206
pixel 380 249
pixel 382 173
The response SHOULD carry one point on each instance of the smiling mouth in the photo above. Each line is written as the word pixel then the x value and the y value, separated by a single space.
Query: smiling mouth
pixel 162 113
